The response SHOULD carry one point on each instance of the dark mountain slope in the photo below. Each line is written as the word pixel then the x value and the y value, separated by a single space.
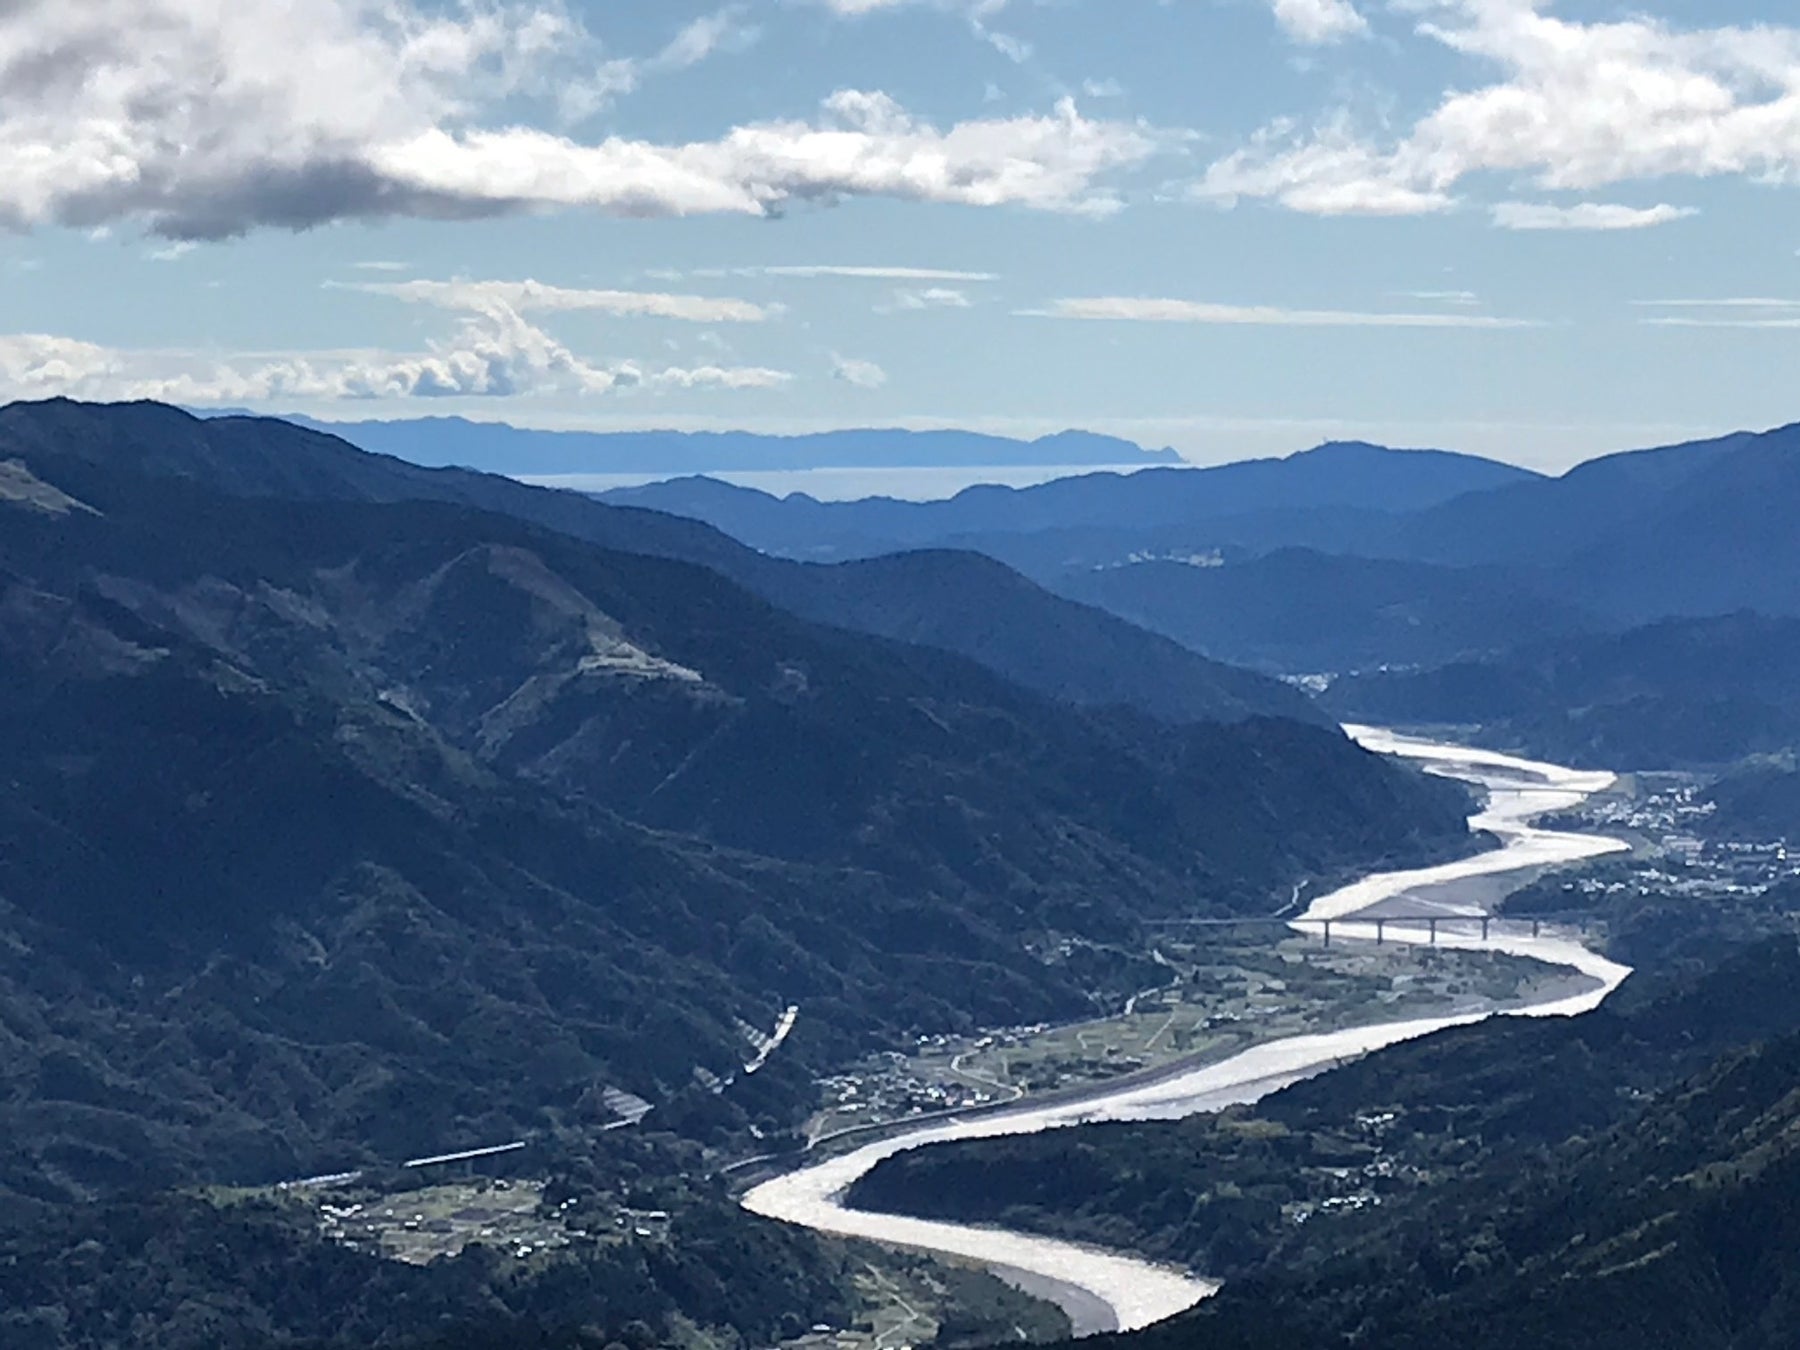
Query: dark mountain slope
pixel 1681 692
pixel 1299 610
pixel 1760 802
pixel 1100 660
pixel 1550 520
pixel 1687 530
pixel 314 844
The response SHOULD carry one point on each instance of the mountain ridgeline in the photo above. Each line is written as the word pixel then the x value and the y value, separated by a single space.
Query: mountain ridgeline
pixel 1030 636
pixel 1567 616
pixel 357 811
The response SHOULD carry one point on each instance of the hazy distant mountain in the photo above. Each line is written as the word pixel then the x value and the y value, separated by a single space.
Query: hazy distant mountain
pixel 497 447
pixel 341 828
pixel 1117 514
pixel 959 603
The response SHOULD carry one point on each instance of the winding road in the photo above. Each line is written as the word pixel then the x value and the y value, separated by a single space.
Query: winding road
pixel 1111 1291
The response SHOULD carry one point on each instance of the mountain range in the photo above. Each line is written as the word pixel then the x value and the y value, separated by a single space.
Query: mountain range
pixel 1569 615
pixel 497 447
pixel 356 810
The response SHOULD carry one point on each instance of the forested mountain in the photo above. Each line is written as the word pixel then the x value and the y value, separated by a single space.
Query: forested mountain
pixel 1695 529
pixel 1350 557
pixel 1306 611
pixel 1683 692
pixel 1037 639
pixel 339 829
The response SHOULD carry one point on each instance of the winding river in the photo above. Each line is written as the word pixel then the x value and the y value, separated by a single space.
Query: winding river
pixel 1110 1291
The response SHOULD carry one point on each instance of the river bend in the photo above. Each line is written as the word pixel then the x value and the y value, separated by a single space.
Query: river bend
pixel 1109 1290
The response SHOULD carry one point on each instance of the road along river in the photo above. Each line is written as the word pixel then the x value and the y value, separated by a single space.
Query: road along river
pixel 1109 1291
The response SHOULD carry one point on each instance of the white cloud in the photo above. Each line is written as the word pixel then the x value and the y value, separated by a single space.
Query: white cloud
pixel 382 265
pixel 1575 107
pixel 1318 22
pixel 1332 172
pixel 496 354
pixel 862 374
pixel 932 297
pixel 874 273
pixel 1444 297
pixel 1725 302
pixel 1725 312
pixel 531 296
pixel 203 119
pixel 1585 216
pixel 1141 309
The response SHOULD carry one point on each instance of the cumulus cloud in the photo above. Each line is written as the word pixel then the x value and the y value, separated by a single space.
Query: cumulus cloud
pixel 204 119
pixel 529 296
pixel 494 354
pixel 1585 216
pixel 1142 309
pixel 1575 107
pixel 1318 22
pixel 862 374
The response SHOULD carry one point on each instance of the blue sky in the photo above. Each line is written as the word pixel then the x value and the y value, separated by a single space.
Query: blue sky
pixel 1233 226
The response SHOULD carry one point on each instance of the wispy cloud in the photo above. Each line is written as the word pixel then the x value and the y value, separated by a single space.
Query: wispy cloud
pixel 1139 309
pixel 1443 297
pixel 528 296
pixel 932 297
pixel 1585 216
pixel 1724 312
pixel 872 273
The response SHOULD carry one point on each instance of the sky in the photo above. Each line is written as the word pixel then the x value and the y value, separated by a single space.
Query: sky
pixel 1539 229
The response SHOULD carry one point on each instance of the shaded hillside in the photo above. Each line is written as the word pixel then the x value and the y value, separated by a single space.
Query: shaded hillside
pixel 337 830
pixel 1686 530
pixel 1301 611
pixel 1098 659
pixel 1760 802
pixel 1681 692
